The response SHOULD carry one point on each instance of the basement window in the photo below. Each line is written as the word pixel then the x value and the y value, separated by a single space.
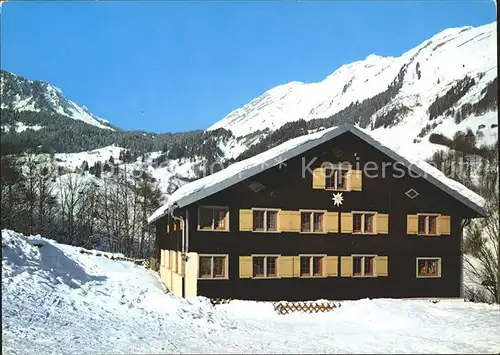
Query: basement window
pixel 427 224
pixel 428 267
pixel 265 266
pixel 265 220
pixel 213 218
pixel 363 265
pixel 213 267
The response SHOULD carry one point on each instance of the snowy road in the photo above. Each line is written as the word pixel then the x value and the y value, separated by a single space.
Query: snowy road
pixel 58 301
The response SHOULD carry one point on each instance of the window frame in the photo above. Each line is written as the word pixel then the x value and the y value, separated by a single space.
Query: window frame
pixel 226 267
pixel 438 258
pixel 374 227
pixel 311 212
pixel 437 215
pixel 226 218
pixel 278 227
pixel 265 266
pixel 311 274
pixel 363 265
pixel 337 167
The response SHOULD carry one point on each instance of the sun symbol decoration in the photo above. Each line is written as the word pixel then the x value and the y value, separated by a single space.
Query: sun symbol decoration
pixel 337 198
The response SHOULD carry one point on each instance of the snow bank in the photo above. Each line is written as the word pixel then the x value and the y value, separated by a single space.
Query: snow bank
pixel 57 300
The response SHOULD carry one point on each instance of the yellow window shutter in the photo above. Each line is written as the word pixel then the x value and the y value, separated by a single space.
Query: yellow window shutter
pixel 319 178
pixel 444 225
pixel 332 265
pixel 286 266
pixel 355 180
pixel 246 220
pixel 246 268
pixel 381 266
pixel 284 221
pixel 382 223
pixel 346 222
pixel 168 228
pixel 332 222
pixel 346 266
pixel 296 266
pixel 294 221
pixel 412 224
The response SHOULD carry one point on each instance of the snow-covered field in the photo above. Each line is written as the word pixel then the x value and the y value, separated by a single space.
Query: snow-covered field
pixel 57 300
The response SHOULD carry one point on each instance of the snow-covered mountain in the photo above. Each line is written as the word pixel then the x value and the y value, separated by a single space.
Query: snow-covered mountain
pixel 425 72
pixel 21 94
pixel 444 85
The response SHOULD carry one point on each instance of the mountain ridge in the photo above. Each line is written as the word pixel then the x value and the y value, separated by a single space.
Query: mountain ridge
pixel 296 100
pixel 21 94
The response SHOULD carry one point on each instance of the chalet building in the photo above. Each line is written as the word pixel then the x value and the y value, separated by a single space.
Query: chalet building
pixel 332 215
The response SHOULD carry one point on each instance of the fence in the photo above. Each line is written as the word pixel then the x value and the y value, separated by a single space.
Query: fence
pixel 216 301
pixel 284 308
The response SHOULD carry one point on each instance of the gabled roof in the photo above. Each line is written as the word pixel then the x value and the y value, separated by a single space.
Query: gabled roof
pixel 206 186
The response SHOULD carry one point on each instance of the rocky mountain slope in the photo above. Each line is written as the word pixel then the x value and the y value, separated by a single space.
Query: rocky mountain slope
pixel 21 94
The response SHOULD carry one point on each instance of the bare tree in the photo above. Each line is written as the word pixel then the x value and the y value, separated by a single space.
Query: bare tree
pixel 482 240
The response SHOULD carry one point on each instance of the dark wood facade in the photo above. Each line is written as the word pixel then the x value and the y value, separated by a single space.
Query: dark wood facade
pixel 285 188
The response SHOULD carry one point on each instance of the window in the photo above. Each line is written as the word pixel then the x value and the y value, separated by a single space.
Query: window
pixel 312 221
pixel 265 220
pixel 312 265
pixel 213 218
pixel 363 222
pixel 427 224
pixel 428 267
pixel 265 266
pixel 363 265
pixel 336 178
pixel 212 267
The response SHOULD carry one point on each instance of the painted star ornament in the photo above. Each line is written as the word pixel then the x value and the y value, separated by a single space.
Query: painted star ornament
pixel 337 198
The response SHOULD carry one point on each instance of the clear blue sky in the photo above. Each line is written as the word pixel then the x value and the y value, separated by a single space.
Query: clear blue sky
pixel 166 66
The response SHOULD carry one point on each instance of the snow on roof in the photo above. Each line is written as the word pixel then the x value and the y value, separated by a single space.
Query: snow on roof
pixel 242 170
